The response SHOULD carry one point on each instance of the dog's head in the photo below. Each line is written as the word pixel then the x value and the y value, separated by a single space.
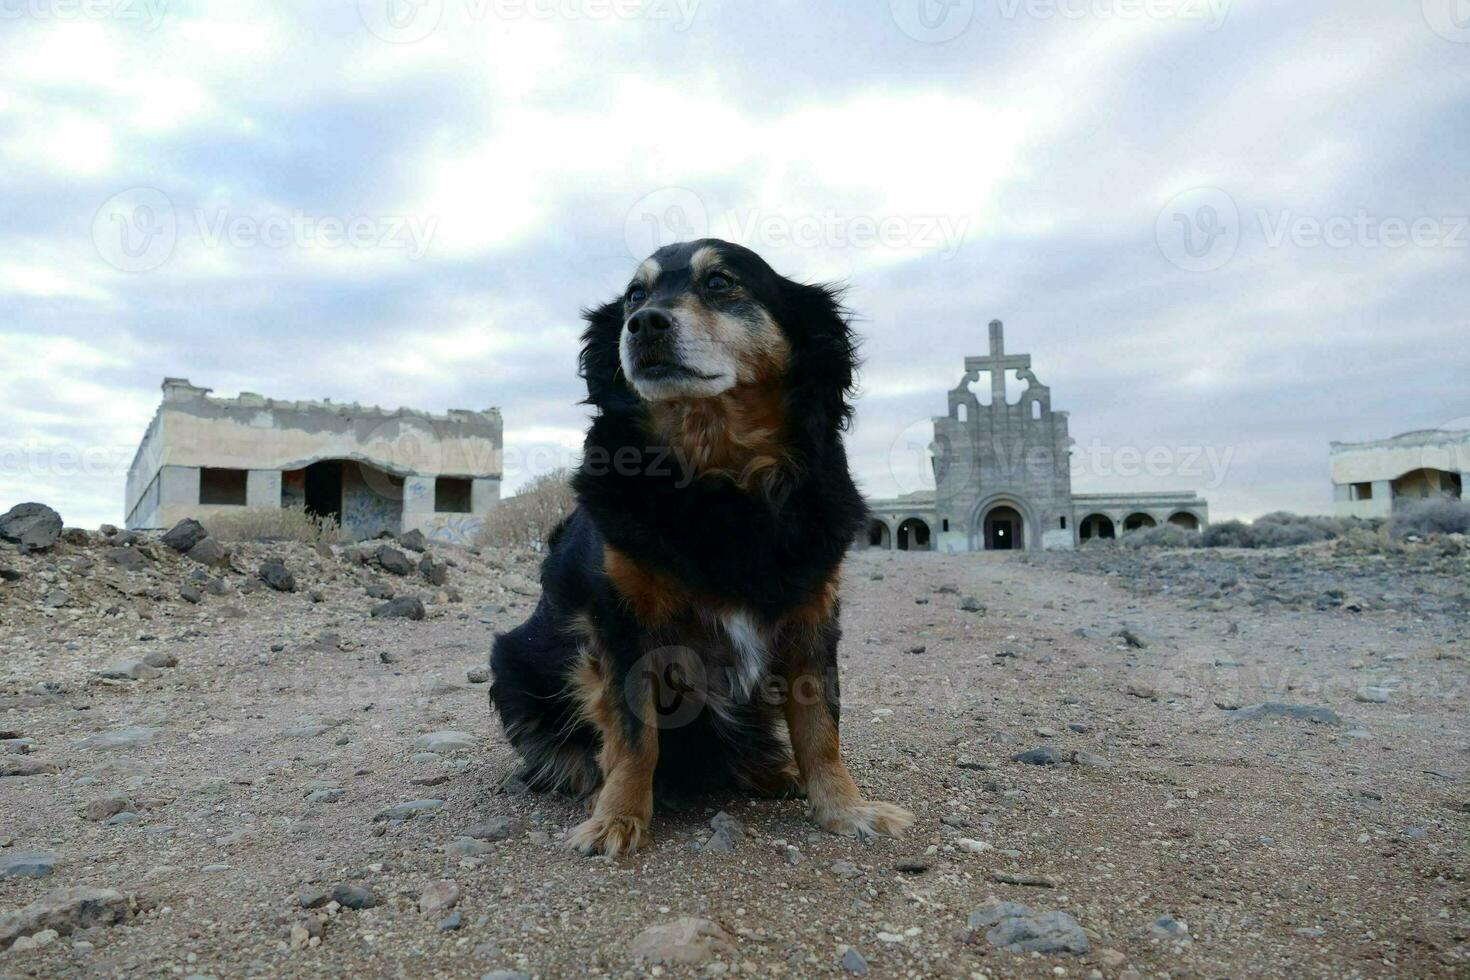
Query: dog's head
pixel 702 319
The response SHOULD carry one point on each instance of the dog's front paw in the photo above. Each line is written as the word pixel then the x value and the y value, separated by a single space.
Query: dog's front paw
pixel 611 835
pixel 866 819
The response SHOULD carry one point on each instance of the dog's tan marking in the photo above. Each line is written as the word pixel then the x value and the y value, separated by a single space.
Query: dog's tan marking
pixel 821 608
pixel 654 597
pixel 704 259
pixel 740 434
pixel 619 821
pixel 648 271
pixel 836 803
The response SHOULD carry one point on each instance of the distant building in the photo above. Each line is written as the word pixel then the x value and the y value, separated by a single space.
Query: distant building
pixel 1370 479
pixel 1003 475
pixel 371 469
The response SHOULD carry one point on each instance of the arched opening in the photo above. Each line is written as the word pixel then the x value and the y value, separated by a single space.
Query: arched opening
pixel 364 500
pixel 1005 529
pixel 1036 411
pixel 878 535
pixel 1185 520
pixel 1097 526
pixel 913 535
pixel 1135 521
pixel 1425 483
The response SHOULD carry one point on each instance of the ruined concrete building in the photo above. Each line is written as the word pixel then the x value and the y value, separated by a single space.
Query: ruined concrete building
pixel 1003 475
pixel 1370 479
pixel 371 469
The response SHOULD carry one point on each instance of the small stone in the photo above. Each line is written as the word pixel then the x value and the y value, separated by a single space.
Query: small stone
pixel 313 897
pixel 56 599
pixel 438 897
pixel 190 594
pixel 1169 928
pixel 686 941
pixel 31 526
pixel 446 742
pixel 409 810
pixel 15 765
pixel 971 604
pixel 184 535
pixel 845 869
pixel 392 560
pixel 1084 758
pixel 1132 638
pixel 852 961
pixel 353 896
pixel 491 828
pixel 1372 695
pixel 1141 691
pixel 478 675
pixel 467 847
pixel 1015 928
pixel 277 576
pixel 208 551
pixel 413 540
pixel 912 865
pixel 98 810
pixel 64 911
pixel 404 607
pixel 330 795
pixel 130 670
pixel 1296 712
pixel 26 864
pixel 1044 755
pixel 451 922
pixel 1044 732
pixel 160 658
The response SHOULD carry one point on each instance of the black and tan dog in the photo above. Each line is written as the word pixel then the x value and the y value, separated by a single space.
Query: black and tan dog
pixel 690 610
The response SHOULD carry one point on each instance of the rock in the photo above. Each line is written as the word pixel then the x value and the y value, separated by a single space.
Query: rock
pixel 1132 638
pixel 404 607
pixel 64 911
pixel 190 594
pixel 439 897
pixel 18 765
pixel 1141 691
pixel 505 975
pixel 160 658
pixel 1281 709
pixel 1016 928
pixel 27 864
pixel 208 551
pixel 98 810
pixel 392 560
pixel 11 575
pixel 467 847
pixel 413 540
pixel 330 795
pixel 1168 928
pixel 129 670
pixel 128 559
pixel 377 590
pixel 845 869
pixel 971 604
pixel 353 896
pixel 56 599
pixel 478 675
pixel 1043 755
pixel 434 572
pixel 31 527
pixel 277 576
pixel 686 941
pixel 1372 695
pixel 183 536
pixel 1082 757
pixel 492 828
pixel 409 810
pixel 313 897
pixel 912 865
pixel 852 962
pixel 445 742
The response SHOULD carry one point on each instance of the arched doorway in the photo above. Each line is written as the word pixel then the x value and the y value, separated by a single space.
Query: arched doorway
pixel 1186 520
pixel 878 535
pixel 1097 526
pixel 1005 529
pixel 1135 521
pixel 913 535
pixel 1421 484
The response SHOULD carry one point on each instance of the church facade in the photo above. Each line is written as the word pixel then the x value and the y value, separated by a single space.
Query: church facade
pixel 1003 474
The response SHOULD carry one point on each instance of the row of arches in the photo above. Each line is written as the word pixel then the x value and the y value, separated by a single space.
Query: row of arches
pixel 1000 526
pixel 1102 527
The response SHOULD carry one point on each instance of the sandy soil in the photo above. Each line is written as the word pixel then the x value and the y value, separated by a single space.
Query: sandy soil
pixel 255 768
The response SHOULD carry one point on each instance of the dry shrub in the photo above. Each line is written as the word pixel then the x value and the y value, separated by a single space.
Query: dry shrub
pixel 527 519
pixel 272 524
pixel 1435 515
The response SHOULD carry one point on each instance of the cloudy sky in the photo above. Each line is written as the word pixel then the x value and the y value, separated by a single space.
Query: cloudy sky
pixel 1228 231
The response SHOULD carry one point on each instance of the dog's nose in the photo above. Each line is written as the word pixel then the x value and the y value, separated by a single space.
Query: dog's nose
pixel 652 319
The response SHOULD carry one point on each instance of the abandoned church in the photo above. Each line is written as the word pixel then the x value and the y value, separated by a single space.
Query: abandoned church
pixel 1003 475
pixel 372 470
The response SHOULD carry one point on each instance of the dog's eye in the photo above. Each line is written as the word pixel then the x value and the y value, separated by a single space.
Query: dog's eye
pixel 718 282
pixel 636 294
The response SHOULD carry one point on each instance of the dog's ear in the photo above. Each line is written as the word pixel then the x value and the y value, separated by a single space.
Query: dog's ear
pixel 825 360
pixel 599 362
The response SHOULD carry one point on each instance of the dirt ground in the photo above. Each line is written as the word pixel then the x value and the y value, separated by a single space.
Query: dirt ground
pixel 217 795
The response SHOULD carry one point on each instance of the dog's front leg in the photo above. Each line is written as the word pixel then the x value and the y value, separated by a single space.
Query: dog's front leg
pixel 811 717
pixel 619 822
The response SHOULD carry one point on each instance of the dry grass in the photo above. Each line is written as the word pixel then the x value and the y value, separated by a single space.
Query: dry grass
pixel 525 520
pixel 273 524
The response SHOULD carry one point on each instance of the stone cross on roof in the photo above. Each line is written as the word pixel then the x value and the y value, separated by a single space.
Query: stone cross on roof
pixel 997 363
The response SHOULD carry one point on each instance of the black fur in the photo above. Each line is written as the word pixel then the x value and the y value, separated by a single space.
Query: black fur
pixel 767 552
